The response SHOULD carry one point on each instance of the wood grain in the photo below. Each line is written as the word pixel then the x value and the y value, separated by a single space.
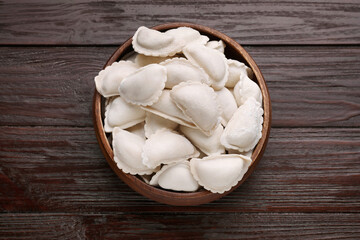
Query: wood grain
pixel 180 226
pixel 56 184
pixel 41 226
pixel 57 169
pixel 309 86
pixel 56 82
pixel 110 22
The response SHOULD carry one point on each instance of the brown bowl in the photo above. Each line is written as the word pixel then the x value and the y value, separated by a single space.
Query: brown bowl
pixel 233 50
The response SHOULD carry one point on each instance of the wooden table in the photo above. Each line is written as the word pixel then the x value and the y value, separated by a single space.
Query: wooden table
pixel 56 184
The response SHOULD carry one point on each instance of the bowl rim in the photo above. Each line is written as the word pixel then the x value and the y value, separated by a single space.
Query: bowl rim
pixel 171 197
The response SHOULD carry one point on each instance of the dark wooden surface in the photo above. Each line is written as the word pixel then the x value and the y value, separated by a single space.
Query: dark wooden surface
pixel 56 184
pixel 111 22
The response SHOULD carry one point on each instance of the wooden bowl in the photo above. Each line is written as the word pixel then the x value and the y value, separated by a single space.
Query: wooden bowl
pixel 234 51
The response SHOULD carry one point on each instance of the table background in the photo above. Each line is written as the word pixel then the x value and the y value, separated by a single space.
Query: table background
pixel 56 184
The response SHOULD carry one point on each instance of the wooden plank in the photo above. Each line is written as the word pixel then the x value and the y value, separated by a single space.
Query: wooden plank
pixel 49 86
pixel 254 22
pixel 61 169
pixel 180 226
pixel 312 86
pixel 54 86
pixel 41 226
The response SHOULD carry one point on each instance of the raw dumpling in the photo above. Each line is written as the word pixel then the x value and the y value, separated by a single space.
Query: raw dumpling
pixel 208 144
pixel 245 89
pixel 176 176
pixel 219 173
pixel 181 70
pixel 119 113
pixel 228 104
pixel 154 122
pixel 145 86
pixel 164 147
pixel 217 45
pixel 186 35
pixel 166 108
pixel 212 61
pixel 236 70
pixel 127 152
pixel 108 80
pixel 198 102
pixel 142 60
pixel 151 42
pixel 138 129
pixel 243 131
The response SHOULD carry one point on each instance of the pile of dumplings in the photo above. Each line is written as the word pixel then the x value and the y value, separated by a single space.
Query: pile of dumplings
pixel 182 115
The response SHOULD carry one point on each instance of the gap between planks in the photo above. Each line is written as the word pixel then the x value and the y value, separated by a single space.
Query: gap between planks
pixel 92 126
pixel 243 45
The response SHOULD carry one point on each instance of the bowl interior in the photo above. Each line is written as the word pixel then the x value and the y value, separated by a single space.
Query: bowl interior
pixel 234 51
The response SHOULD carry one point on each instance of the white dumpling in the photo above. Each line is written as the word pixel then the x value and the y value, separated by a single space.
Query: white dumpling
pixel 144 86
pixel 236 70
pixel 182 70
pixel 151 42
pixel 154 122
pixel 119 113
pixel 208 144
pixel 176 176
pixel 245 89
pixel 164 147
pixel 138 129
pixel 166 108
pixel 243 131
pixel 198 101
pixel 108 80
pixel 219 173
pixel 212 61
pixel 228 104
pixel 217 45
pixel 186 35
pixel 127 152
pixel 142 60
